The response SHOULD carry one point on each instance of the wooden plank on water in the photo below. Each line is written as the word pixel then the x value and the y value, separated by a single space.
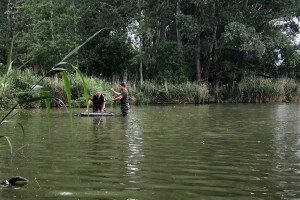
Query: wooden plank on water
pixel 97 114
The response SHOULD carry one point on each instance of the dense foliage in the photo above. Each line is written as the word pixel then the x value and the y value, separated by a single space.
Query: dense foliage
pixel 215 41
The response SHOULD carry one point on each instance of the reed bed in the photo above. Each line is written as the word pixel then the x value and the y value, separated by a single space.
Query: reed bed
pixel 251 89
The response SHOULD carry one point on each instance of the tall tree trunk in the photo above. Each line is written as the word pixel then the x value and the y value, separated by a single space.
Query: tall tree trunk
pixel 141 73
pixel 51 20
pixel 74 18
pixel 164 24
pixel 211 55
pixel 198 44
pixel 52 27
pixel 125 75
pixel 75 24
pixel 11 22
pixel 177 23
pixel 141 64
pixel 11 18
pixel 158 33
pixel 141 45
pixel 212 46
pixel 8 18
pixel 198 58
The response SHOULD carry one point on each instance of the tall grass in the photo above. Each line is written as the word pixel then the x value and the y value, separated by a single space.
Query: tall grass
pixel 292 89
pixel 251 89
pixel 172 93
pixel 260 90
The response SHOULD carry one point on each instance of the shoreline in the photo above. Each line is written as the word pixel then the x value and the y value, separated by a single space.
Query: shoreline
pixel 165 104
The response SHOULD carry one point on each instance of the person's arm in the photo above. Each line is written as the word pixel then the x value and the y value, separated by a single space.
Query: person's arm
pixel 89 104
pixel 115 93
pixel 119 97
pixel 104 104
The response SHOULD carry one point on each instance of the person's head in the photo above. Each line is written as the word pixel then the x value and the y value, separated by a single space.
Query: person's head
pixel 98 94
pixel 122 86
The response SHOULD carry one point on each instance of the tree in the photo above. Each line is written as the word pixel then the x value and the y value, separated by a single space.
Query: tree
pixel 3 33
pixel 46 31
pixel 215 41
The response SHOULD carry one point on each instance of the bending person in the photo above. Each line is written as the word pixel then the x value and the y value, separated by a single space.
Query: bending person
pixel 123 97
pixel 98 102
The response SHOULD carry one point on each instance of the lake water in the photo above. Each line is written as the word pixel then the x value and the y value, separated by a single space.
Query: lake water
pixel 219 152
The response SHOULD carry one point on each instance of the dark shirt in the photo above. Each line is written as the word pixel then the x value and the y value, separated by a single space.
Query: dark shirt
pixel 124 95
pixel 98 101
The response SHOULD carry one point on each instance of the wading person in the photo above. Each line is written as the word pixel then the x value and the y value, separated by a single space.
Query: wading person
pixel 98 102
pixel 123 97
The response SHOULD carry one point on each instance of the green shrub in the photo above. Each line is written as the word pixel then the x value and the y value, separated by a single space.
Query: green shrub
pixel 7 101
pixel 141 99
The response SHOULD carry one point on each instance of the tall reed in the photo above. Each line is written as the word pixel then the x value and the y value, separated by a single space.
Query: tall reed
pixel 254 89
pixel 173 93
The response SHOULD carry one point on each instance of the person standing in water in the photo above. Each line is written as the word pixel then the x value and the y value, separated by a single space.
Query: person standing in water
pixel 123 97
pixel 98 102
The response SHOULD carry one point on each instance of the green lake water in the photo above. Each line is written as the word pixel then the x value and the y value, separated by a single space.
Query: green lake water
pixel 218 152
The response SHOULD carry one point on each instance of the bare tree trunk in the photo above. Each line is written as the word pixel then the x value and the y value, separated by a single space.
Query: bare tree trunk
pixel 164 25
pixel 198 44
pixel 35 68
pixel 177 23
pixel 141 65
pixel 212 46
pixel 157 32
pixel 75 24
pixel 8 17
pixel 11 21
pixel 74 18
pixel 198 58
pixel 52 27
pixel 51 20
pixel 164 33
pixel 211 54
pixel 125 76
pixel 116 79
pixel 141 46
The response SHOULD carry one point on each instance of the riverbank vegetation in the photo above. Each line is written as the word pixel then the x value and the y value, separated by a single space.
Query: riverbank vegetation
pixel 181 51
pixel 249 90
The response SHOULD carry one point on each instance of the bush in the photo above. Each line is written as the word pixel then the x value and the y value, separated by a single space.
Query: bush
pixel 7 101
pixel 142 99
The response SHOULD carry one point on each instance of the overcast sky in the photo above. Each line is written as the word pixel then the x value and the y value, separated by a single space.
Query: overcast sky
pixel 297 38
